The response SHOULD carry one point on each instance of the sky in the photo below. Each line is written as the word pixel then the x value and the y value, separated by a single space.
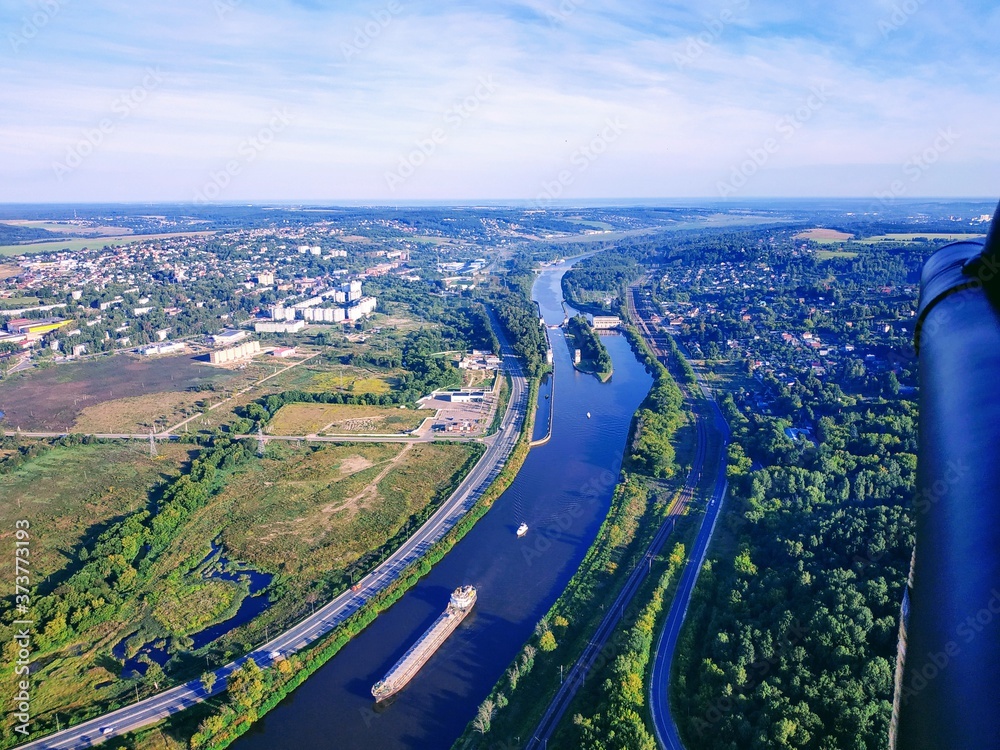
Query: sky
pixel 540 100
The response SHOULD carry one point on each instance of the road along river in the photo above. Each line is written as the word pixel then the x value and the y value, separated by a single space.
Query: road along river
pixel 562 492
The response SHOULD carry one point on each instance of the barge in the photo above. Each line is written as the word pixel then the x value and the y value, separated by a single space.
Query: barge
pixel 462 600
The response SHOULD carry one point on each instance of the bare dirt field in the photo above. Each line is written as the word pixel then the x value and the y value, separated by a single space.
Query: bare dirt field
pixel 52 399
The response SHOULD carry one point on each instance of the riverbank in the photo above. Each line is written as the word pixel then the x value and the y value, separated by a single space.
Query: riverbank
pixel 640 508
pixel 220 727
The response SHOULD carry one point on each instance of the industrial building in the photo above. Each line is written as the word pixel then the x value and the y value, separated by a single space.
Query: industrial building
pixel 167 347
pixel 605 322
pixel 462 397
pixel 35 327
pixel 228 336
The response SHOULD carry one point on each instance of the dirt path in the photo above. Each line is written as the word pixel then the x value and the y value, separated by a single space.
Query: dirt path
pixel 250 387
pixel 371 489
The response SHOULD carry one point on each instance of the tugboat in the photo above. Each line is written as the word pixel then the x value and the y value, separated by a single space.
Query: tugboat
pixel 522 530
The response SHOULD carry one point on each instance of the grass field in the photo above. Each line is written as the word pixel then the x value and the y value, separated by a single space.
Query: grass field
pixel 311 378
pixel 932 236
pixel 304 513
pixel 14 303
pixel 69 228
pixel 139 413
pixel 67 493
pixel 308 512
pixel 338 419
pixel 92 242
pixel 724 374
pixel 102 391
pixel 831 254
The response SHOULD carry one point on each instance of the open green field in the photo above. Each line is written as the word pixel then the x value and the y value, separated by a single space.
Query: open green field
pixel 312 377
pixel 832 254
pixel 68 492
pixel 339 419
pixel 312 511
pixel 14 303
pixel 91 242
pixel 71 228
pixel 931 236
pixel 724 374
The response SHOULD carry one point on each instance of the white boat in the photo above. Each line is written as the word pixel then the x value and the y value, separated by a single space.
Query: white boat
pixel 588 415
pixel 522 529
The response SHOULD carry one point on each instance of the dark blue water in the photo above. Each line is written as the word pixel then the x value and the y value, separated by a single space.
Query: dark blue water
pixel 562 492
pixel 221 569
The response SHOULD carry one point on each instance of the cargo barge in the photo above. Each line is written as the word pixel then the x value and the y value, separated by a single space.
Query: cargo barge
pixel 462 600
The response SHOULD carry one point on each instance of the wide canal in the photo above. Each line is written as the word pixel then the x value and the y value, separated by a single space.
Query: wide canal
pixel 562 492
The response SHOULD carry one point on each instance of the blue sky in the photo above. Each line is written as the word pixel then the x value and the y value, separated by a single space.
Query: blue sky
pixel 392 100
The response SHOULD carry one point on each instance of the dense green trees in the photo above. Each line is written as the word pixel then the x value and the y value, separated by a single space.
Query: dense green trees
pixel 593 355
pixel 598 282
pixel 791 635
pixel 659 416
pixel 618 724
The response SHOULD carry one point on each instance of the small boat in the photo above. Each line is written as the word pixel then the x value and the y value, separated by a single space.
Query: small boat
pixel 588 415
pixel 522 529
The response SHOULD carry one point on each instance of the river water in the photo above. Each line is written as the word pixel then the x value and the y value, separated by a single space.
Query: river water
pixel 562 492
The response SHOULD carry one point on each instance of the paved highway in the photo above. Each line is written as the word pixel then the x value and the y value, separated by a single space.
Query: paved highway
pixel 664 726
pixel 328 617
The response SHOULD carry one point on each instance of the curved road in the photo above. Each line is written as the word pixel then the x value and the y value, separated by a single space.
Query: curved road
pixel 664 726
pixel 328 617
pixel 598 644
pixel 659 688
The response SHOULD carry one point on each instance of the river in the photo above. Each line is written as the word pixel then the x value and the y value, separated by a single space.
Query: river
pixel 562 492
